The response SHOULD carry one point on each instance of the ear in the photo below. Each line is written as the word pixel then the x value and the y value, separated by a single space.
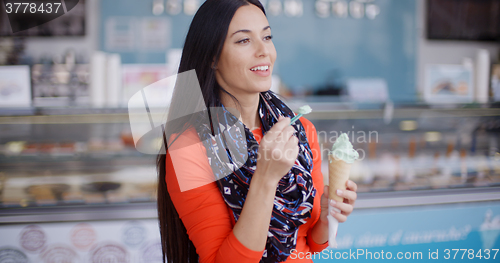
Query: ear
pixel 214 67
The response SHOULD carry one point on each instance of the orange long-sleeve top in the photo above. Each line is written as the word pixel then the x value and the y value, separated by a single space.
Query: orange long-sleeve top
pixel 208 220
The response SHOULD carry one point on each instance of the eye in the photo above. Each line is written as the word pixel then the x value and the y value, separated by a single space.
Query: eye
pixel 268 37
pixel 244 41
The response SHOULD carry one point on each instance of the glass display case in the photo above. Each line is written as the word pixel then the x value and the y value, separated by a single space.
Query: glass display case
pixel 414 154
pixel 65 159
pixel 69 159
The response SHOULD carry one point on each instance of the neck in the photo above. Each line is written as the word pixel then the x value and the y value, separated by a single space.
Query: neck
pixel 247 107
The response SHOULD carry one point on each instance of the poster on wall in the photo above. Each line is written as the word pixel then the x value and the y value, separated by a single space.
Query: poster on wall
pixel 139 76
pixel 120 33
pixel 448 84
pixel 155 34
pixel 128 34
pixel 15 86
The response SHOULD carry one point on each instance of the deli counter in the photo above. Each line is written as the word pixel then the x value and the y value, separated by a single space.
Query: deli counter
pixel 73 185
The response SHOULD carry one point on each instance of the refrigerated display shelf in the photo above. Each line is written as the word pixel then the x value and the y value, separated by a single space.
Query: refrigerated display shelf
pixel 321 111
pixel 144 210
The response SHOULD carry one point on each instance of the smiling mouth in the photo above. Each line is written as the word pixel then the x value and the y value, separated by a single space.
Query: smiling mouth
pixel 260 68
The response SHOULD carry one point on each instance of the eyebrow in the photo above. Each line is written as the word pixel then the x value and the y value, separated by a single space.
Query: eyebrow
pixel 248 31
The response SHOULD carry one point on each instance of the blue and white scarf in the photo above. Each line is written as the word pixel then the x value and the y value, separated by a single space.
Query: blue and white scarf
pixel 295 193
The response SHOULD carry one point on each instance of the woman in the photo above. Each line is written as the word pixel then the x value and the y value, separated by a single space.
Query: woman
pixel 254 186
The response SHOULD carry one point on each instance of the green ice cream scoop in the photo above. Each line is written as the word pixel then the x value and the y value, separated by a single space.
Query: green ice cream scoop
pixel 342 149
pixel 302 111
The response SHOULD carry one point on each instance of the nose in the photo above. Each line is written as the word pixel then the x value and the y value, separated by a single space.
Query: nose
pixel 262 50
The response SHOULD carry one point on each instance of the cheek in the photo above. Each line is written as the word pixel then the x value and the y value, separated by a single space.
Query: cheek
pixel 234 63
pixel 273 53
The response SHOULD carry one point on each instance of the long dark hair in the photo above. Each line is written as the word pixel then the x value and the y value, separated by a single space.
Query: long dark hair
pixel 202 50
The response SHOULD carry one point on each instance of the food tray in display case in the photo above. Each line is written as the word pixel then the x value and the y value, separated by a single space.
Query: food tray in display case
pixel 127 185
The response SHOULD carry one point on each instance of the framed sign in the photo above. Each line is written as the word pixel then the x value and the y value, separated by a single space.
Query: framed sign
pixel 448 84
pixel 15 86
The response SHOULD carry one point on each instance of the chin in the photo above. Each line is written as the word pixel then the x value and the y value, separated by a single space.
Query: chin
pixel 263 88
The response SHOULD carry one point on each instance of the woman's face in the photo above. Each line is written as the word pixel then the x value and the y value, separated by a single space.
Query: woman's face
pixel 246 62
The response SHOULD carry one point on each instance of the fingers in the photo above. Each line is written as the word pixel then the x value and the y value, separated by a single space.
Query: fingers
pixel 324 197
pixel 291 148
pixel 351 196
pixel 340 217
pixel 277 128
pixel 346 209
pixel 351 186
pixel 290 142
pixel 284 136
pixel 288 132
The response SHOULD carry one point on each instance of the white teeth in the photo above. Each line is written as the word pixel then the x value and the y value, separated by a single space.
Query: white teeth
pixel 263 68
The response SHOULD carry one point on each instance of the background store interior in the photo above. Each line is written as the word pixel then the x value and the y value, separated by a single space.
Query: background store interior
pixel 420 107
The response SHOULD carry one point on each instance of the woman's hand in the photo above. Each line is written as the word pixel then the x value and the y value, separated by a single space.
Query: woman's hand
pixel 345 208
pixel 278 151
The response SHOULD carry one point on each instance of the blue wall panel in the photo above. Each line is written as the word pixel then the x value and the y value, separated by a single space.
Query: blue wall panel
pixel 311 49
pixel 474 227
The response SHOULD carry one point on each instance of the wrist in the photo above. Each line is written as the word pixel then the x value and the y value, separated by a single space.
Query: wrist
pixel 264 181
pixel 321 224
pixel 319 233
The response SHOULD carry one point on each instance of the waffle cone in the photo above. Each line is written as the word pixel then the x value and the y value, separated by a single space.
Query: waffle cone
pixel 338 174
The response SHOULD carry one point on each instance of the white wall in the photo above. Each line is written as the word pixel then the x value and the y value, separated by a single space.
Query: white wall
pixel 444 52
pixel 40 46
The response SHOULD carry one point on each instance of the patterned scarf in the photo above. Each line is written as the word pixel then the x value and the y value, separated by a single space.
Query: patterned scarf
pixel 295 193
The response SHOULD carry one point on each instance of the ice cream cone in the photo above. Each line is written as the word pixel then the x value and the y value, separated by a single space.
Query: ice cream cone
pixel 338 174
pixel 339 166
